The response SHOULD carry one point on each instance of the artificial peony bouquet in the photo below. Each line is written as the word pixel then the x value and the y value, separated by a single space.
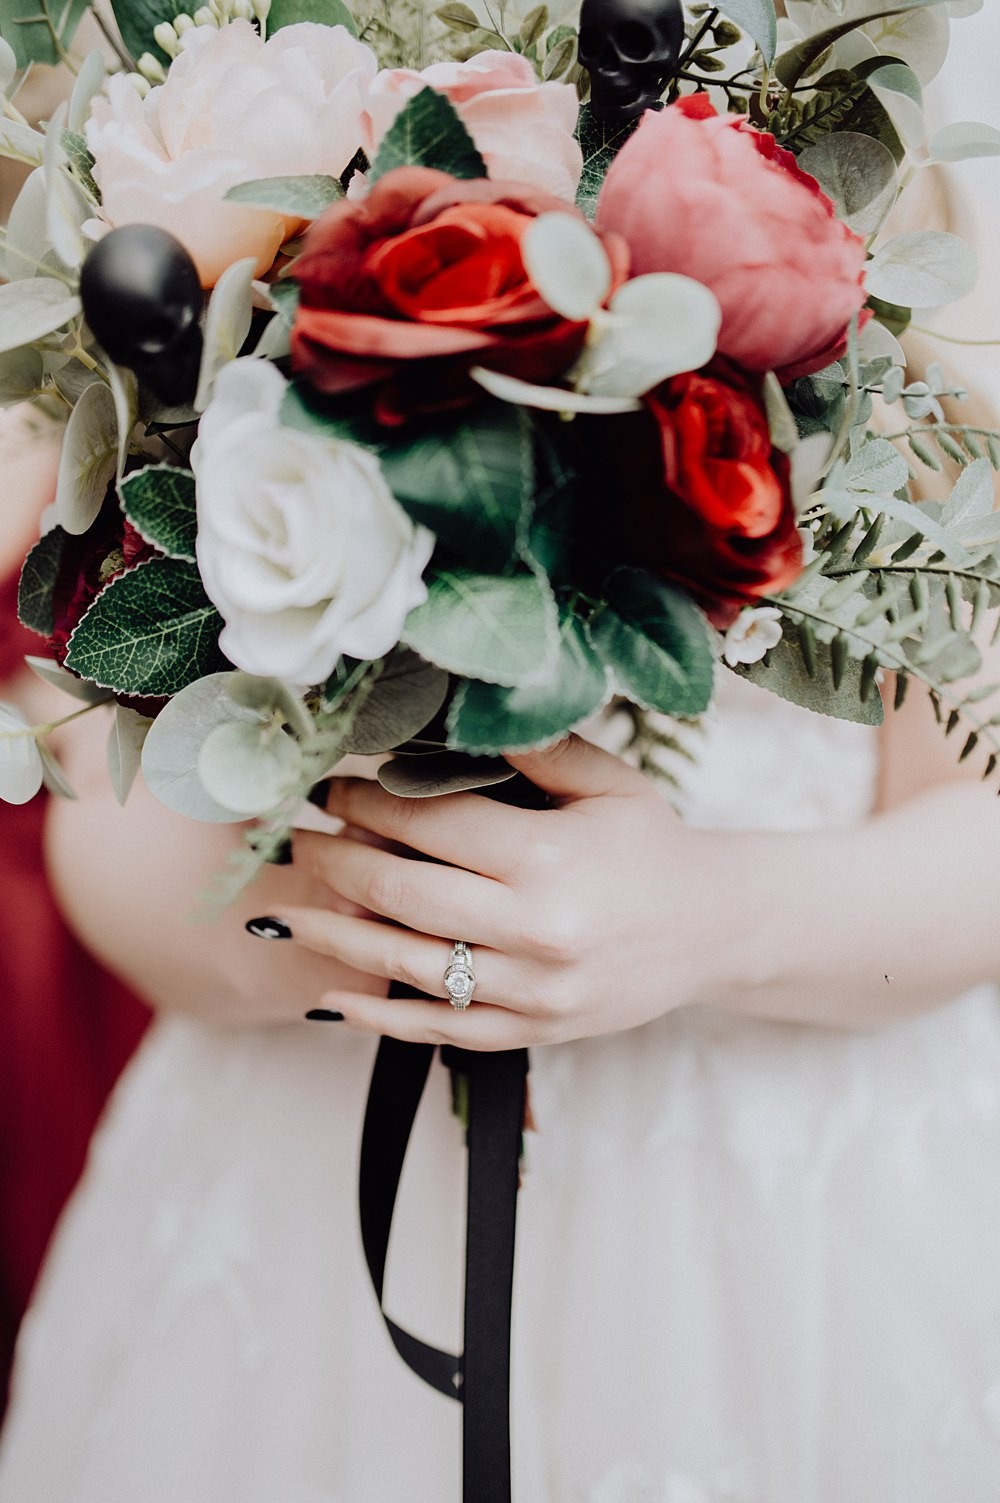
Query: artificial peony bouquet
pixel 437 405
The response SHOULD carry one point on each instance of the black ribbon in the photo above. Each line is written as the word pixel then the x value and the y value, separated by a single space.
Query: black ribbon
pixel 480 1378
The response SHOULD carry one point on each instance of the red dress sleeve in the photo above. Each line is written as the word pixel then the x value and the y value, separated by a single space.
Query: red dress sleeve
pixel 66 1030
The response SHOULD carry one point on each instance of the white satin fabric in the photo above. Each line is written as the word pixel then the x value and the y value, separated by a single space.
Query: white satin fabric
pixel 758 1263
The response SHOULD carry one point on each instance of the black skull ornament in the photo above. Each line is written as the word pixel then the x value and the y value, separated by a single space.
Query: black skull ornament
pixel 630 49
pixel 142 299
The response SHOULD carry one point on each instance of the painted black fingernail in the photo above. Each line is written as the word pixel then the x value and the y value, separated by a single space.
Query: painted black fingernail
pixel 318 793
pixel 283 854
pixel 323 1015
pixel 268 928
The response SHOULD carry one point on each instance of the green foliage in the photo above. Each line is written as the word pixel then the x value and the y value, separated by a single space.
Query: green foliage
pixel 428 132
pixel 600 142
pixel 323 12
pixel 82 163
pixel 304 197
pixel 40 31
pixel 505 631
pixel 38 580
pixel 655 642
pixel 795 63
pixel 488 719
pixel 803 671
pixel 406 695
pixel 137 19
pixel 159 501
pixel 150 632
pixel 758 19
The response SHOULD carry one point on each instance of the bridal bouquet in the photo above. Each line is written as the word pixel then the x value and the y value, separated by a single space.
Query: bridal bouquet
pixel 434 406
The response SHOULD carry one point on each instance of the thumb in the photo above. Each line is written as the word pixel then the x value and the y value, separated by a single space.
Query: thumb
pixel 575 769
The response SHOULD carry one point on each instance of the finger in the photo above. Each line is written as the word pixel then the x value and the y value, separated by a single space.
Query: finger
pixel 416 1022
pixel 385 950
pixel 461 829
pixel 575 769
pixel 420 895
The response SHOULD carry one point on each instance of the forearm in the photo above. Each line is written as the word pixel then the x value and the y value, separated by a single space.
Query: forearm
pixel 864 926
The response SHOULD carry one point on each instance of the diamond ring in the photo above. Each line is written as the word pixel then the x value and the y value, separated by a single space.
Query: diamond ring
pixel 459 977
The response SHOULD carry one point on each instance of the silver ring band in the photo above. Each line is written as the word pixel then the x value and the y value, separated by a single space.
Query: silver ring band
pixel 459 977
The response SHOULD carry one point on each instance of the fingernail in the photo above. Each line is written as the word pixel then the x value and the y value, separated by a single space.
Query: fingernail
pixel 323 1015
pixel 318 793
pixel 283 854
pixel 268 928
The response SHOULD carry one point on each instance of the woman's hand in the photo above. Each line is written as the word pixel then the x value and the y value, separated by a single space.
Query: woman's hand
pixel 582 917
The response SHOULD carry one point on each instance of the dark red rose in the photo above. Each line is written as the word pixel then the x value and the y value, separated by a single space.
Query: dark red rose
pixel 408 288
pixel 702 497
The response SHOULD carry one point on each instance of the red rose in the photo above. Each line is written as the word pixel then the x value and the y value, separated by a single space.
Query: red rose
pixel 704 498
pixel 710 197
pixel 422 279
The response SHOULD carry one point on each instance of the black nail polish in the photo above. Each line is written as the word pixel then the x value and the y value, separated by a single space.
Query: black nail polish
pixel 318 793
pixel 268 928
pixel 283 854
pixel 323 1015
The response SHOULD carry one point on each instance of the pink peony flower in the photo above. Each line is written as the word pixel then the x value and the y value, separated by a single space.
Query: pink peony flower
pixel 523 128
pixel 233 108
pixel 710 197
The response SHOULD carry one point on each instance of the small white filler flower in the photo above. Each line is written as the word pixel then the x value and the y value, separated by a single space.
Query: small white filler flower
pixel 754 632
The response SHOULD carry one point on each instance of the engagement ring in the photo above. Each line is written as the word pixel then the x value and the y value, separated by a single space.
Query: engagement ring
pixel 460 978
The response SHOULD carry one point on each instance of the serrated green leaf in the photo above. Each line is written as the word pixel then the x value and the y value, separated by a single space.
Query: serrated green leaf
pixel 470 482
pixel 656 644
pixel 303 197
pixel 159 501
pixel 82 162
pixel 487 719
pixel 504 631
pixel 38 580
pixel 150 632
pixel 600 141
pixel 428 132
pixel 786 672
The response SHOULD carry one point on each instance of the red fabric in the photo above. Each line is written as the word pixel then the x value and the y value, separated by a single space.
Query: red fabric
pixel 66 1030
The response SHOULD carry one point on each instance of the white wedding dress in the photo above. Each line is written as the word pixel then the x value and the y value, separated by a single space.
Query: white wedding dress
pixel 757 1263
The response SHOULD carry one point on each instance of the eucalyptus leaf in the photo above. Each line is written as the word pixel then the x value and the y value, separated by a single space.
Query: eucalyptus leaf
pixel 445 772
pixel 151 631
pixel 504 631
pixel 858 173
pixel 51 672
pixel 783 671
pixel 227 324
pixel 406 696
pixel 32 307
pixel 21 771
pixel 53 777
pixel 488 719
pixel 86 86
pixel 159 501
pixel 922 269
pixel 303 197
pixel 173 745
pixel 21 143
pixel 249 767
pixel 129 730
pixel 567 264
pixel 964 140
pixel 88 459
pixel 758 19
pixel 796 61
pixel 428 132
pixel 22 374
pixel 655 642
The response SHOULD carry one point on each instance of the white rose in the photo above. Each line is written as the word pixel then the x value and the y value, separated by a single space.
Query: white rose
pixel 302 547
pixel 233 108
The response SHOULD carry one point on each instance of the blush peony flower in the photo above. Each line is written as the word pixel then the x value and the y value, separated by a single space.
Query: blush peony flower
pixel 523 128
pixel 423 278
pixel 710 197
pixel 233 108
pixel 302 547
pixel 703 498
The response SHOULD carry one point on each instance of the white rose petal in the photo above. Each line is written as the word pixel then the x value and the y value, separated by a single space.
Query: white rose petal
pixel 754 632
pixel 301 545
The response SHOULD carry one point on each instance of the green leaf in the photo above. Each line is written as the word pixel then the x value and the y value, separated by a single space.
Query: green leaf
pixel 440 773
pixel 800 57
pixel 784 672
pixel 38 580
pixel 505 631
pixel 656 643
pixel 324 12
pixel 858 173
pixel 150 632
pixel 488 719
pixel 159 501
pixel 758 19
pixel 600 141
pixel 137 18
pixel 32 308
pixel 428 132
pixel 249 766
pixel 37 36
pixel 303 197
pixel 406 696
pixel 173 745
pixel 82 161
pixel 128 732
pixel 469 482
